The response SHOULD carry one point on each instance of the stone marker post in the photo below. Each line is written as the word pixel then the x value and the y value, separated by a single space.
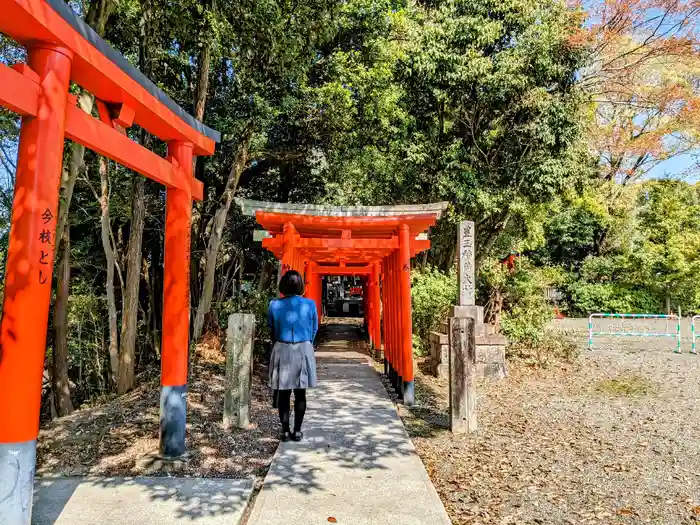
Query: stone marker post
pixel 462 372
pixel 466 263
pixel 239 369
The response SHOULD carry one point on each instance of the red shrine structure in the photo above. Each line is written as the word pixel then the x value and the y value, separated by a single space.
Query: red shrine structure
pixel 374 242
pixel 62 49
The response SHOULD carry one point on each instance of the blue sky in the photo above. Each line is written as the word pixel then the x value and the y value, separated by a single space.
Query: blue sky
pixel 676 167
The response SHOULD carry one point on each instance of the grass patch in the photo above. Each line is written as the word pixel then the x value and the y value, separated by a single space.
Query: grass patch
pixel 626 386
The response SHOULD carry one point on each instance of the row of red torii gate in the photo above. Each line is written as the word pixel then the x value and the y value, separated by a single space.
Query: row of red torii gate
pixel 374 242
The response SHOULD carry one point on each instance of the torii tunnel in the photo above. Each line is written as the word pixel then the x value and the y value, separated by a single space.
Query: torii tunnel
pixel 377 246
pixel 62 49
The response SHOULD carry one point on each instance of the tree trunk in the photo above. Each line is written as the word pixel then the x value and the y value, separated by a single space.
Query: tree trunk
pixel 151 323
pixel 59 373
pixel 491 239
pixel 130 305
pixel 109 249
pixel 265 275
pixel 203 69
pixel 97 17
pixel 200 104
pixel 451 258
pixel 127 354
pixel 212 251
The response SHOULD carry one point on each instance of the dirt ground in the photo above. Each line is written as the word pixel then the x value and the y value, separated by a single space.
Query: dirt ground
pixel 120 437
pixel 612 438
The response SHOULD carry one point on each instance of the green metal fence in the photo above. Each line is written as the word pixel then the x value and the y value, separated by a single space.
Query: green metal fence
pixel 693 349
pixel 676 334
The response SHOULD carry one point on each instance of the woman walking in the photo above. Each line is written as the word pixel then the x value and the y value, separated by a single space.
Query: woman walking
pixel 293 323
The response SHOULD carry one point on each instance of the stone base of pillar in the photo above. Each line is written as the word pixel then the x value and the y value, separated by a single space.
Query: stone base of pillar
pixel 409 393
pixel 490 347
pixel 475 312
pixel 173 421
pixel 17 462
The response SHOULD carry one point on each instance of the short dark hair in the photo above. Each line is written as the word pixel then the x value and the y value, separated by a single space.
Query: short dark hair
pixel 292 283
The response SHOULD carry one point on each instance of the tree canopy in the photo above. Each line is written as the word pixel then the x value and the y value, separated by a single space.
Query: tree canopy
pixel 530 117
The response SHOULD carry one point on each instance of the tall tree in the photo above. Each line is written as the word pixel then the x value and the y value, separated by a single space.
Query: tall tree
pixel 642 74
pixel 498 119
pixel 134 256
pixel 270 66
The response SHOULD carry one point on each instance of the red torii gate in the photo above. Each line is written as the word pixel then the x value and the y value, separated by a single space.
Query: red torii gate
pixel 62 49
pixel 377 247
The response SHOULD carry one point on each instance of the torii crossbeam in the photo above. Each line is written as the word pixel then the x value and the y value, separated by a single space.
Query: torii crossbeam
pixel 374 242
pixel 62 49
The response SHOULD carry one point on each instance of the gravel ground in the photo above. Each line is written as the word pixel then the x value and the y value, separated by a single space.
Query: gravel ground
pixel 611 438
pixel 119 437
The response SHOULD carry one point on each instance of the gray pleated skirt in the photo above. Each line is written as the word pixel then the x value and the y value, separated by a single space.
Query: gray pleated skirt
pixel 292 365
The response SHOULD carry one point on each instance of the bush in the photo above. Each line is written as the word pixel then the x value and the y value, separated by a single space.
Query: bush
pixel 587 298
pixel 515 300
pixel 432 294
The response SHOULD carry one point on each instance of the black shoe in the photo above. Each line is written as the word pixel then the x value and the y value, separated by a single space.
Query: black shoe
pixel 298 435
pixel 285 436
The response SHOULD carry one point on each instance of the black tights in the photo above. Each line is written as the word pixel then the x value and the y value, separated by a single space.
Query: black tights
pixel 284 398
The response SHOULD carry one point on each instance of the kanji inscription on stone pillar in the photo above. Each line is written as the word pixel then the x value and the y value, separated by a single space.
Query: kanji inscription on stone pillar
pixel 465 239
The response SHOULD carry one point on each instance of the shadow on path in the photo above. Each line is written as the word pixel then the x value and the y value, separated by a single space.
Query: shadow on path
pixel 140 501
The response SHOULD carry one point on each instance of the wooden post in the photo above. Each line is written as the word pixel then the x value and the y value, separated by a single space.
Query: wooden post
pixel 462 372
pixel 376 312
pixel 28 273
pixel 239 369
pixel 399 325
pixel 176 309
pixel 385 317
pixel 287 249
pixel 406 342
pixel 390 319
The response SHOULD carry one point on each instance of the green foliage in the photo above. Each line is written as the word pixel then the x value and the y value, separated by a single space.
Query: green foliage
pixel 515 299
pixel 496 116
pixel 474 102
pixel 588 298
pixel 628 249
pixel 432 294
pixel 87 327
pixel 252 302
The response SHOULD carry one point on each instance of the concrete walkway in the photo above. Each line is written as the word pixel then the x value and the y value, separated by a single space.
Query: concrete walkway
pixel 356 464
pixel 140 501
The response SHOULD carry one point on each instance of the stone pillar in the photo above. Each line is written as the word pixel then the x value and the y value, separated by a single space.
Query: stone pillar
pixel 467 279
pixel 462 375
pixel 466 263
pixel 240 337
